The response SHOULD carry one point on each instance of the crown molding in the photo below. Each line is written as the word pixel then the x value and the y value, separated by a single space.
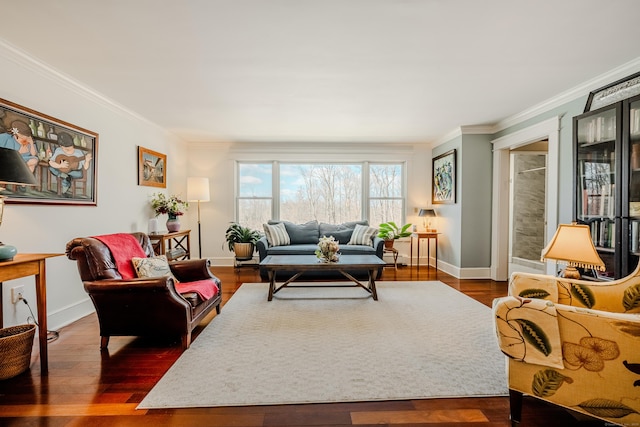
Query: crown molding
pixel 28 62
pixel 565 97
pixel 572 94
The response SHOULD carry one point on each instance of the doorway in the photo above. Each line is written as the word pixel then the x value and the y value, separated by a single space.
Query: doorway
pixel 500 230
pixel 527 207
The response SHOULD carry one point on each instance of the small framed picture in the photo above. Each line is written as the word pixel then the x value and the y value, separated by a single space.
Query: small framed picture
pixel 152 168
pixel 444 178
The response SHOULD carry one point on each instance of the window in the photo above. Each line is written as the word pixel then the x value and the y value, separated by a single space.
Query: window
pixel 386 193
pixel 326 192
pixel 254 194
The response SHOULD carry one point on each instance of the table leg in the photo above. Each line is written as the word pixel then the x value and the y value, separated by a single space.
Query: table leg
pixel 41 301
pixel 411 253
pixel 435 251
pixel 418 261
pixel 272 284
pixel 372 284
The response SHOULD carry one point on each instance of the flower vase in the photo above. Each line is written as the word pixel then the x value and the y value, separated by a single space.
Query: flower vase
pixel 173 223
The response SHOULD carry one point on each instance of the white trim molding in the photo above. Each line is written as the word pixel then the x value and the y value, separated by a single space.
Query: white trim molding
pixel 549 130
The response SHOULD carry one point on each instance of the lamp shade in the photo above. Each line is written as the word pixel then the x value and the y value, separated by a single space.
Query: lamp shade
pixel 572 245
pixel 13 169
pixel 198 189
pixel 427 212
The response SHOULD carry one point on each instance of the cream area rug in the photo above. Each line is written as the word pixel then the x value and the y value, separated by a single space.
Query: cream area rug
pixel 312 345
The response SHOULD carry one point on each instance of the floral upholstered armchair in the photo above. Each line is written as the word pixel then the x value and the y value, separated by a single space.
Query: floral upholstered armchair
pixel 574 343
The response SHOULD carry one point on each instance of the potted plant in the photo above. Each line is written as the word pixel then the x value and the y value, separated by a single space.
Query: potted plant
pixel 241 240
pixel 389 231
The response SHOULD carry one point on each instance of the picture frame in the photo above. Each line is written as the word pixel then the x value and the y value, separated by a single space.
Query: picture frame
pixel 63 157
pixel 614 92
pixel 152 168
pixel 443 179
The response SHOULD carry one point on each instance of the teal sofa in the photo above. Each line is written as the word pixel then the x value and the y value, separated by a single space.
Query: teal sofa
pixel 304 241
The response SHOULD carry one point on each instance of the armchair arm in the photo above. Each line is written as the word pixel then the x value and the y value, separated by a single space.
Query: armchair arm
pixel 618 296
pixel 191 270
pixel 163 284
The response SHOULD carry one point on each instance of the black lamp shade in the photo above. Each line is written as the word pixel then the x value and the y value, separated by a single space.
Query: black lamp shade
pixel 13 169
pixel 427 212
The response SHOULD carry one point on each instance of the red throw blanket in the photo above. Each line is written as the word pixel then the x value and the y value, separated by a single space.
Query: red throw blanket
pixel 206 288
pixel 123 247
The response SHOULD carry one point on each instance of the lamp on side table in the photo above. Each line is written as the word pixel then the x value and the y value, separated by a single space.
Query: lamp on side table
pixel 13 170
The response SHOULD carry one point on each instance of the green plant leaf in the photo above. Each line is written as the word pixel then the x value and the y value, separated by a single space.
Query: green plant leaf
pixel 535 336
pixel 606 408
pixel 534 293
pixel 631 297
pixel 583 294
pixel 547 382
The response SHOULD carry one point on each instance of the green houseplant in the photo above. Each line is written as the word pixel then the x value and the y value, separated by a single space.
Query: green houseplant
pixel 389 231
pixel 241 240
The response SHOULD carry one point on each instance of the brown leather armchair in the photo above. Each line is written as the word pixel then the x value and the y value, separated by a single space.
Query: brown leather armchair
pixel 141 306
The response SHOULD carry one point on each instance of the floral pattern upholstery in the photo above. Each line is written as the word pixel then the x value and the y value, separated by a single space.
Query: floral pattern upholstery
pixel 575 343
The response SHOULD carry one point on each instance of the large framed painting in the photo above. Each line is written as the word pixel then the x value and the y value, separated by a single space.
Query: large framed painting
pixel 152 168
pixel 61 156
pixel 444 178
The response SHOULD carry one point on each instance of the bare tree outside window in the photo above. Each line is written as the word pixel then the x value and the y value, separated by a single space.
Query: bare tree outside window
pixel 386 196
pixel 323 192
pixel 331 193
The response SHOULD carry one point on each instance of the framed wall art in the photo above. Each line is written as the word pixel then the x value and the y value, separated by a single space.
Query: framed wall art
pixel 444 178
pixel 152 168
pixel 62 157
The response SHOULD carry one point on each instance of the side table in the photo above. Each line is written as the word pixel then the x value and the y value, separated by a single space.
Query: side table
pixel 425 235
pixel 24 265
pixel 176 245
pixel 394 252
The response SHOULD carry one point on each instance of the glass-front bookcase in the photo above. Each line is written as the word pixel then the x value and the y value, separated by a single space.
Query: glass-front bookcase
pixel 598 153
pixel 631 116
pixel 607 170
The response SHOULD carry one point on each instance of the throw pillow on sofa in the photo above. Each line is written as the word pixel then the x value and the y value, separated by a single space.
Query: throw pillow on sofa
pixel 363 235
pixel 276 234
pixel 341 232
pixel 300 234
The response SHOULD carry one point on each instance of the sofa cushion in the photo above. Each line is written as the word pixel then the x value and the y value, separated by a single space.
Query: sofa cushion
pixel 308 249
pixel 276 234
pixel 156 266
pixel 341 232
pixel 300 233
pixel 363 235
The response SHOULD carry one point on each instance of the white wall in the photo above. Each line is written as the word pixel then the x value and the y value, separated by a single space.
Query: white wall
pixel 123 206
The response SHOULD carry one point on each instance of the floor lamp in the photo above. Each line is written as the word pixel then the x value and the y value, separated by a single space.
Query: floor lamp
pixel 198 191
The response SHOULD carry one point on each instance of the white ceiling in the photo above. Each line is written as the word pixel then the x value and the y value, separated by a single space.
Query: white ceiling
pixel 326 70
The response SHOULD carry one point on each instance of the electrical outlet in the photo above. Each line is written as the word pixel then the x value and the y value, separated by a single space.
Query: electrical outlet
pixel 17 293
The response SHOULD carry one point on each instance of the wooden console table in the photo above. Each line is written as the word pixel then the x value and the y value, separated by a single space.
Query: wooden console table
pixel 176 245
pixel 424 235
pixel 24 265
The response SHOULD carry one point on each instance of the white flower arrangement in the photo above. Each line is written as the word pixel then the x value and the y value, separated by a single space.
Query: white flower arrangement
pixel 172 205
pixel 328 248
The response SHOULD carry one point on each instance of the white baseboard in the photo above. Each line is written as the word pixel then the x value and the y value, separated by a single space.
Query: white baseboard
pixel 69 314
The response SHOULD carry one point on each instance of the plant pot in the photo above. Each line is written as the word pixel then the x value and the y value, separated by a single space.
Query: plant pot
pixel 388 244
pixel 243 251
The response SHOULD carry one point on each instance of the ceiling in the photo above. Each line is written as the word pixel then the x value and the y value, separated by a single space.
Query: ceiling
pixel 325 70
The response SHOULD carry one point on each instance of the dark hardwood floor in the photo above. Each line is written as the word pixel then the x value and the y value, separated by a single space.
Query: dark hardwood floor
pixel 88 388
